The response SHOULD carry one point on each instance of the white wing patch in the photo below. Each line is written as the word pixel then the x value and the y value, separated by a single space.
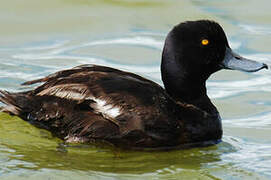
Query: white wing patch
pixel 79 93
pixel 106 109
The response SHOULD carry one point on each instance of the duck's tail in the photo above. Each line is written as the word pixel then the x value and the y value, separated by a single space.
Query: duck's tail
pixel 15 102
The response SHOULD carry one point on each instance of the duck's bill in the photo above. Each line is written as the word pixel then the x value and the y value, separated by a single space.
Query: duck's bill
pixel 234 61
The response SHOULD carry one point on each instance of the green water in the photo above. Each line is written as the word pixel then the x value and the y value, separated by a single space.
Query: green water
pixel 40 37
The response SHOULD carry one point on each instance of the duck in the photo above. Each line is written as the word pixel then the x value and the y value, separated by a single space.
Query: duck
pixel 93 103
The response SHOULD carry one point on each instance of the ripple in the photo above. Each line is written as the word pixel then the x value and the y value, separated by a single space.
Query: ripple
pixel 223 89
pixel 45 45
pixel 251 155
pixel 256 29
pixel 142 41
pixel 61 50
pixel 262 120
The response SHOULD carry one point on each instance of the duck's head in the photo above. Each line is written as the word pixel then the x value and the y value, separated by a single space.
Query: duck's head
pixel 194 50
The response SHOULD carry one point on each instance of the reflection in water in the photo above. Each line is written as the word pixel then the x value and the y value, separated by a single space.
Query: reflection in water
pixel 111 161
pixel 36 149
pixel 39 150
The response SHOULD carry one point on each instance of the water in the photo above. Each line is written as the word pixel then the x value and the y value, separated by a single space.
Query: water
pixel 41 37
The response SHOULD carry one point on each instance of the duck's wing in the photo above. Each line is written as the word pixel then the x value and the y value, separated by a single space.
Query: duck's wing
pixel 108 91
pixel 90 101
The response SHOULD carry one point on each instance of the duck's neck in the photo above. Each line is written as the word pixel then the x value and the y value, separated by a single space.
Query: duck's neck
pixel 186 85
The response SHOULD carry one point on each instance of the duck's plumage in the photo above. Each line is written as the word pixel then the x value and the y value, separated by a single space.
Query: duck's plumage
pixel 92 103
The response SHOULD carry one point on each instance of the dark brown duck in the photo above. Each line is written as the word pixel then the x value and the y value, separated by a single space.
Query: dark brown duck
pixel 92 103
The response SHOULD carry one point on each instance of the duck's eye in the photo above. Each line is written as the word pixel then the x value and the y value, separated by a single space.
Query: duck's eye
pixel 205 42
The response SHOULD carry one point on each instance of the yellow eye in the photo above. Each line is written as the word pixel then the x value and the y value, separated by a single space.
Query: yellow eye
pixel 205 42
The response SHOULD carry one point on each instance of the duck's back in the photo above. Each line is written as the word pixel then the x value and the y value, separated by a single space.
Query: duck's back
pixel 90 102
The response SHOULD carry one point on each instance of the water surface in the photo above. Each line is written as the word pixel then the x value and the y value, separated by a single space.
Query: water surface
pixel 41 37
